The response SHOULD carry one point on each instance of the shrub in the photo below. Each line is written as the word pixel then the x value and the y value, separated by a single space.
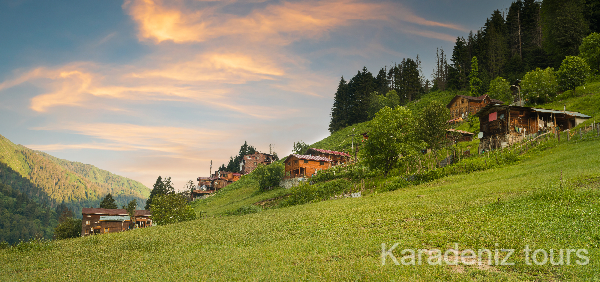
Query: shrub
pixel 539 86
pixel 589 50
pixel 171 208
pixel 500 89
pixel 269 176
pixel 68 228
pixel 572 73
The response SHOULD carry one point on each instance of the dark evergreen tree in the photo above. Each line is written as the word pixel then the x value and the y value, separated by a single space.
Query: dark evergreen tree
pixel 564 27
pixel 108 202
pixel 234 162
pixel 592 14
pixel 461 63
pixel 360 87
pixel 160 187
pixel 440 73
pixel 411 80
pixel 381 82
pixel 497 44
pixel 339 112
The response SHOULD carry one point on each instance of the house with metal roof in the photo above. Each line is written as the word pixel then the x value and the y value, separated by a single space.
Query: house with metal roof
pixel 100 221
pixel 503 125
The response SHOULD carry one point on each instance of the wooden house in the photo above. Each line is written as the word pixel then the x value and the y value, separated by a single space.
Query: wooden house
pixel 250 162
pixel 462 105
pixel 503 125
pixel 335 157
pixel 305 165
pixel 100 221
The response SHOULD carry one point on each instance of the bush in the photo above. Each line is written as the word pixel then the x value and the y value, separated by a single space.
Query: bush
pixel 171 208
pixel 69 228
pixel 589 50
pixel 500 89
pixel 539 86
pixel 269 176
pixel 572 73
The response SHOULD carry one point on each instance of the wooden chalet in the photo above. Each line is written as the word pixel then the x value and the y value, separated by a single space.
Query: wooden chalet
pixel 209 185
pixel 100 221
pixel 459 135
pixel 335 157
pixel 503 125
pixel 250 162
pixel 305 165
pixel 462 105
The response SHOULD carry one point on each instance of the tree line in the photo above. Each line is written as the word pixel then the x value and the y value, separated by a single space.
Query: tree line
pixel 528 35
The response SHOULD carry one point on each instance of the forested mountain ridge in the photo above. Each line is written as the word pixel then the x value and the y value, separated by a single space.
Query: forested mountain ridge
pixel 52 181
pixel 115 184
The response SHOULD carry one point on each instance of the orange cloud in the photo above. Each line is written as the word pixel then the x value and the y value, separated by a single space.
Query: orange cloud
pixel 233 68
pixel 277 23
pixel 175 141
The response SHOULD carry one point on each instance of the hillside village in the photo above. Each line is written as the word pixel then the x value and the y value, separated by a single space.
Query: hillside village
pixel 490 171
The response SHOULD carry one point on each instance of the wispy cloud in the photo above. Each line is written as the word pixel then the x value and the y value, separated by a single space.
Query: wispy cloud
pixel 175 141
pixel 280 23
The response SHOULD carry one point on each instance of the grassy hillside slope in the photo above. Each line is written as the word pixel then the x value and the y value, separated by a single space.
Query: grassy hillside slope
pixel 506 208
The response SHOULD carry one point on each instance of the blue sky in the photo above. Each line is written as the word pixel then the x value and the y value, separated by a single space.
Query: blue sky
pixel 144 88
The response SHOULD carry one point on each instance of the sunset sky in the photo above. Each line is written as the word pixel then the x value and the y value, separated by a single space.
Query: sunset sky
pixel 144 88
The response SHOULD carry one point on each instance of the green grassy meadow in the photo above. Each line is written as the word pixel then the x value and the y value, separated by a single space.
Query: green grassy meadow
pixel 510 207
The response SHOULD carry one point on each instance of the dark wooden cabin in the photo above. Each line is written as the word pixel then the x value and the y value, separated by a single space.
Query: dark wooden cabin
pixel 462 105
pixel 100 221
pixel 504 125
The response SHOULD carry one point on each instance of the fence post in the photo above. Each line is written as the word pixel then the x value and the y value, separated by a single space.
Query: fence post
pixel 580 134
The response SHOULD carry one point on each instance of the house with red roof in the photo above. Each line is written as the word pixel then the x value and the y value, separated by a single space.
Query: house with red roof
pixel 335 157
pixel 305 165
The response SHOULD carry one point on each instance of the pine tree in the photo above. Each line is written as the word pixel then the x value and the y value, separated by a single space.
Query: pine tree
pixel 564 27
pixel 160 187
pixel 339 112
pixel 474 79
pixel 108 202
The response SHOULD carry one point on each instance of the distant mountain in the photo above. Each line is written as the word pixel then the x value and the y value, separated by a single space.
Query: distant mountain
pixel 51 181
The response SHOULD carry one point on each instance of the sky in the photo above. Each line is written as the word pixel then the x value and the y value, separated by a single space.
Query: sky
pixel 144 88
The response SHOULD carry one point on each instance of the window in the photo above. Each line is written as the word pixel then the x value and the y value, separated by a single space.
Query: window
pixel 106 230
pixel 296 161
pixel 87 222
pixel 305 161
pixel 321 163
pixel 254 163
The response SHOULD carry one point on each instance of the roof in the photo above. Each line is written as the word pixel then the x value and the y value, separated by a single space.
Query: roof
pixel 460 131
pixel 485 109
pixel 114 212
pixel 309 157
pixel 330 152
pixel 471 98
pixel 575 114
